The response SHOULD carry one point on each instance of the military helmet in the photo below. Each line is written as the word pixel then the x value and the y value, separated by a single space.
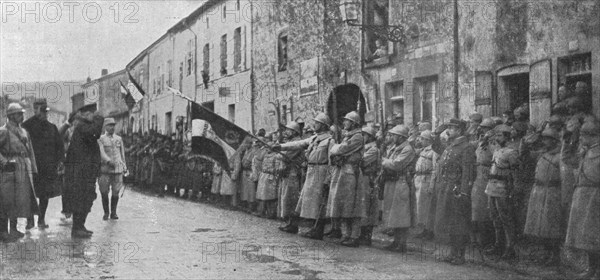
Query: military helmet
pixel 400 129
pixel 293 126
pixel 590 127
pixel 14 108
pixel 353 117
pixel 503 129
pixel 424 126
pixel 323 118
pixel 370 130
pixel 551 132
pixel 476 117
pixel 488 122
pixel 427 135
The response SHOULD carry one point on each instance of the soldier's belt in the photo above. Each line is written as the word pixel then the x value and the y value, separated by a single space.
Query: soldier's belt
pixel 588 186
pixel 550 184
pixel 498 177
pixel 318 163
pixel 423 173
pixel 247 169
pixel 19 154
pixel 484 164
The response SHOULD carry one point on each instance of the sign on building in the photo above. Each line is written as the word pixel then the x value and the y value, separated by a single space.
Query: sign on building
pixel 309 77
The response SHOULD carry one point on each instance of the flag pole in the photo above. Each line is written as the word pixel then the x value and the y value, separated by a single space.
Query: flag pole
pixel 177 93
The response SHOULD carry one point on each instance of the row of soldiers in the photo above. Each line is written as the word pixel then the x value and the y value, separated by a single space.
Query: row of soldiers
pixel 456 183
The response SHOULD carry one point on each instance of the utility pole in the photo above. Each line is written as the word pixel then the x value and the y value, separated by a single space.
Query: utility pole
pixel 456 59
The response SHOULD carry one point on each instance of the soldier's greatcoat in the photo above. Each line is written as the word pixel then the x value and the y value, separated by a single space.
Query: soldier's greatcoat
pixel 345 194
pixel 456 168
pixel 317 174
pixel 401 210
pixel 248 191
pixel 82 166
pixel 480 211
pixel 424 186
pixel 369 167
pixel 17 196
pixel 49 151
pixel 269 178
pixel 217 177
pixel 583 230
pixel 289 191
pixel 544 212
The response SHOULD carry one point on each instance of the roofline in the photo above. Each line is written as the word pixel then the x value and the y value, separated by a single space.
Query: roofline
pixel 182 24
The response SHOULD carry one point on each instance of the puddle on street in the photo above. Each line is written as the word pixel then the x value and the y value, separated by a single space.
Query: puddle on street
pixel 207 230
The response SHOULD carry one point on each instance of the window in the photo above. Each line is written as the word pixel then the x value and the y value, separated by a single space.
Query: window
pixel 395 95
pixel 574 69
pixel 232 113
pixel 158 83
pixel 282 51
pixel 141 80
pixel 189 57
pixel 153 122
pixel 168 120
pixel 207 25
pixel 237 5
pixel 424 99
pixel 224 55
pixel 224 11
pixel 377 13
pixel 206 56
pixel 170 77
pixel 284 110
pixel 237 49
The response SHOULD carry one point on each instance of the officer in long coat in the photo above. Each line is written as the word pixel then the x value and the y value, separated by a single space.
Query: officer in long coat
pixel 454 179
pixel 49 154
pixel 395 167
pixel 82 167
pixel 17 164
pixel 423 184
pixel 369 167
pixel 345 194
pixel 583 231
pixel 289 190
pixel 311 202
pixel 257 162
pixel 545 218
pixel 480 212
pixel 500 187
pixel 248 191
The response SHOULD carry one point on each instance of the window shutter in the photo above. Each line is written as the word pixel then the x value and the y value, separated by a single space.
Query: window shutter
pixel 483 93
pixel 540 91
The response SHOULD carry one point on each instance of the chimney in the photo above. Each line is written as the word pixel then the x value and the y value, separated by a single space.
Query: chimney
pixel 104 72
pixel 89 79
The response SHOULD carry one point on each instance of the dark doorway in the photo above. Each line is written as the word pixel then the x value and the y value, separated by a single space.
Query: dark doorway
pixel 517 87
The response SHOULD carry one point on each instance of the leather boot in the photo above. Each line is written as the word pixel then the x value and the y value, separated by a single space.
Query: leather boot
pixel 113 207
pixel 593 267
pixel 350 242
pixel 78 229
pixel 317 231
pixel 105 206
pixel 13 229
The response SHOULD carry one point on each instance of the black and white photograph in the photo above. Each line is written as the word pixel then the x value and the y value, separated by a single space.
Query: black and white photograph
pixel 300 139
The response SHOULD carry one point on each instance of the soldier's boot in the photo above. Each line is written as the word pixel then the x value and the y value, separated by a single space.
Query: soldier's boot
pixel 336 231
pixel 4 236
pixel 509 252
pixel 30 223
pixel 42 217
pixel 113 207
pixel 353 226
pixel 291 227
pixel 13 229
pixel 459 258
pixel 365 235
pixel 317 231
pixel 399 243
pixel 593 268
pixel 496 249
pixel 105 206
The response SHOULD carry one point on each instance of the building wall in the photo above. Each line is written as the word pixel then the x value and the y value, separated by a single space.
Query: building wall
pixel 138 115
pixel 314 31
pixel 112 100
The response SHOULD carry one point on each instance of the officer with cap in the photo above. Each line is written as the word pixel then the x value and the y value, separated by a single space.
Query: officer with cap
pixel 583 229
pixel 112 169
pixel 545 218
pixel 474 121
pixel 500 187
pixel 454 178
pixel 345 194
pixel 369 166
pixel 17 163
pixel 310 205
pixel 49 155
pixel 289 190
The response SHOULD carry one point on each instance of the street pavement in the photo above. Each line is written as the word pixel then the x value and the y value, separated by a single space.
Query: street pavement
pixel 160 238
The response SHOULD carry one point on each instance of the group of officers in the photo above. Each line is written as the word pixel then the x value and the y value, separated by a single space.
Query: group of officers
pixel 39 160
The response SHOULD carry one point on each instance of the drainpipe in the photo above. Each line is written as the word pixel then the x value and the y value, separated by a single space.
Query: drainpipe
pixel 252 86
pixel 456 60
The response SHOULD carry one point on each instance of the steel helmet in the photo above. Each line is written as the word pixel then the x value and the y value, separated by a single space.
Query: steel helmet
pixel 503 129
pixel 323 118
pixel 426 135
pixel 401 130
pixel 488 122
pixel 590 127
pixel 293 126
pixel 550 132
pixel 14 108
pixel 370 130
pixel 353 117
pixel 476 117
